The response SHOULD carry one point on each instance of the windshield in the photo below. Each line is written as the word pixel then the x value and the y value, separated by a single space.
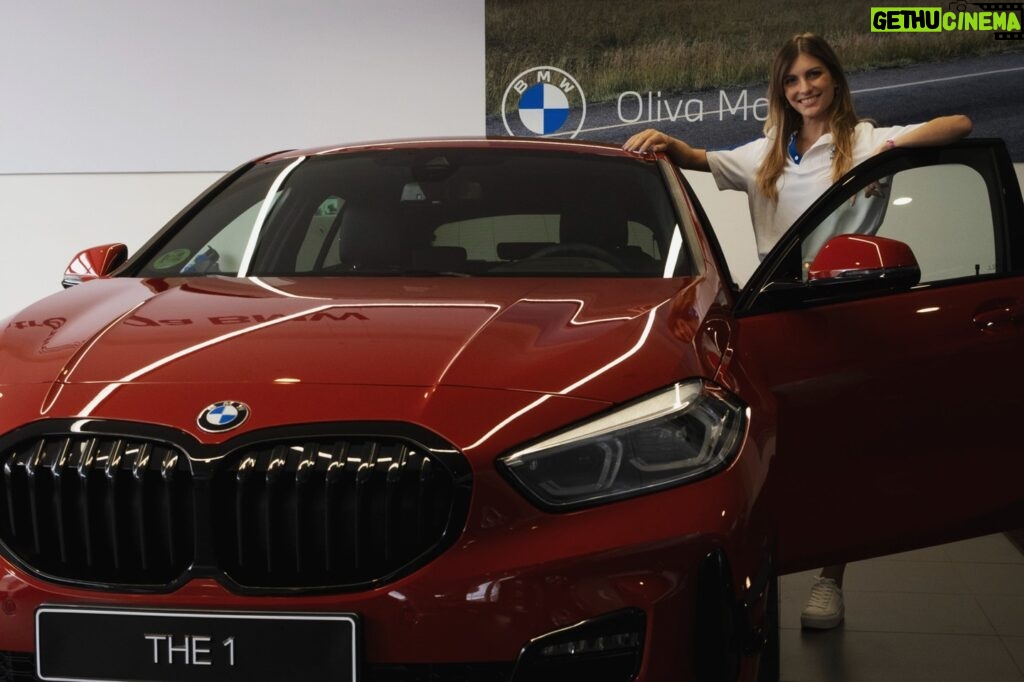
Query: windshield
pixel 458 212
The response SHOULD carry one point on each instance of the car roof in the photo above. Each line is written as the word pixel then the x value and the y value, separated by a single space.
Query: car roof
pixel 573 146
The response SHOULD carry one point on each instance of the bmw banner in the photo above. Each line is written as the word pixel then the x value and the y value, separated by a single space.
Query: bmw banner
pixel 604 70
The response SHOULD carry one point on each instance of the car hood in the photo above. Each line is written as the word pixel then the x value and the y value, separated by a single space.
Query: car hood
pixel 538 335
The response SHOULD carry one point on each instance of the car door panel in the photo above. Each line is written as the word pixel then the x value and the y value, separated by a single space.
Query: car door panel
pixel 897 412
pixel 892 421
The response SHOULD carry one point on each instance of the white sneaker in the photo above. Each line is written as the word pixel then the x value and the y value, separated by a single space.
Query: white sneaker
pixel 824 608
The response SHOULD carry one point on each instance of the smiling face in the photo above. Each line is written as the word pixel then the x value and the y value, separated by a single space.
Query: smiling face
pixel 809 87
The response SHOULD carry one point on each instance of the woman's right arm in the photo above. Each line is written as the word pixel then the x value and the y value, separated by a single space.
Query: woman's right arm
pixel 682 154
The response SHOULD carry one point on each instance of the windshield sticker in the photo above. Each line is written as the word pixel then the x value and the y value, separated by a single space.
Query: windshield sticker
pixel 171 258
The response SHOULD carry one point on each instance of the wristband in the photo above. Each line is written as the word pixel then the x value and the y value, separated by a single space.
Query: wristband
pixel 890 143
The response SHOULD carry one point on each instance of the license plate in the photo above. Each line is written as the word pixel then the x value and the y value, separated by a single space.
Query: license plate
pixel 82 644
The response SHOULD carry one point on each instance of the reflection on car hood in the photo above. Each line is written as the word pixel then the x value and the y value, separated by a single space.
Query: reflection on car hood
pixel 525 334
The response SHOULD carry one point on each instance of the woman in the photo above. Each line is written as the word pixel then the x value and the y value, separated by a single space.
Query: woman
pixel 811 138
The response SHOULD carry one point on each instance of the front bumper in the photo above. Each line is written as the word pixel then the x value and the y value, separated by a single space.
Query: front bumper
pixel 514 575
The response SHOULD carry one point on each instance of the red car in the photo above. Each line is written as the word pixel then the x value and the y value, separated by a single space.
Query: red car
pixel 494 410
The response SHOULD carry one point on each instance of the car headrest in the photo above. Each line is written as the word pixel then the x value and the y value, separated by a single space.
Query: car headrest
pixel 598 219
pixel 370 237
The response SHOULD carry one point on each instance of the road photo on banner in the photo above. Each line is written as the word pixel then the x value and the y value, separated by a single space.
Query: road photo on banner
pixel 604 71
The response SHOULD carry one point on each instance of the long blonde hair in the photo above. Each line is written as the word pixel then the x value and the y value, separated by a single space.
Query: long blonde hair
pixel 783 120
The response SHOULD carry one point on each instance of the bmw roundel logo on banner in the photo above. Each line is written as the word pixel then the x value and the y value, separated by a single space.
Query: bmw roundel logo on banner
pixel 223 416
pixel 543 108
pixel 543 101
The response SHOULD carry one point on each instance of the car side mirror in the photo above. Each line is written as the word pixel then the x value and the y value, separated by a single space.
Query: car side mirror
pixel 847 267
pixel 99 261
pixel 874 263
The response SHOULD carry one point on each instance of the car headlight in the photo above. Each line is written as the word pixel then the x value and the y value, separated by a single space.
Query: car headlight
pixel 686 432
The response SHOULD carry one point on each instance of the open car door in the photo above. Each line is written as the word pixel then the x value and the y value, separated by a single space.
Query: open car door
pixel 898 373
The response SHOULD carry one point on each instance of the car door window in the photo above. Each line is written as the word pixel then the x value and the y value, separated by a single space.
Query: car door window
pixel 945 207
pixel 214 239
pixel 942 212
pixel 223 253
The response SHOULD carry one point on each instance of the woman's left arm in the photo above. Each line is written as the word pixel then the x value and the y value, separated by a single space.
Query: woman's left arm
pixel 941 130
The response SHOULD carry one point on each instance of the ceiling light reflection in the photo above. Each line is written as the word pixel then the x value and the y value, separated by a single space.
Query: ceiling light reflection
pixel 675 247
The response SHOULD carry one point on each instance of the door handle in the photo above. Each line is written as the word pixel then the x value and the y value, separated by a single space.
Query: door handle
pixel 999 316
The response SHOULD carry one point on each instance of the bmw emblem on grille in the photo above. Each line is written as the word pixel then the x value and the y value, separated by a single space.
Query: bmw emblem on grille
pixel 223 416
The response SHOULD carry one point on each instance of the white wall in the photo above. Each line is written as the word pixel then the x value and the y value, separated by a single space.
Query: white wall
pixel 195 85
pixel 46 219
pixel 117 113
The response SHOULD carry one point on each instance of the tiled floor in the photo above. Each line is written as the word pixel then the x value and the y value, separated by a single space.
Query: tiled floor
pixel 942 614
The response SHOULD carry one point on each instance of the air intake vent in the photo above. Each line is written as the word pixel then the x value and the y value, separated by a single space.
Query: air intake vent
pixel 98 509
pixel 331 512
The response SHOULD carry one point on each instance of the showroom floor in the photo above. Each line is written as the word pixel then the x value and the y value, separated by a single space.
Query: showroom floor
pixel 942 614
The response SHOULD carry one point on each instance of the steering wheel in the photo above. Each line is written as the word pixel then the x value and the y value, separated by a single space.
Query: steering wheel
pixel 581 249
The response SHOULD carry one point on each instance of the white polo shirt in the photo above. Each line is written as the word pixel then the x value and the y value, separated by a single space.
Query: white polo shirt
pixel 800 183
